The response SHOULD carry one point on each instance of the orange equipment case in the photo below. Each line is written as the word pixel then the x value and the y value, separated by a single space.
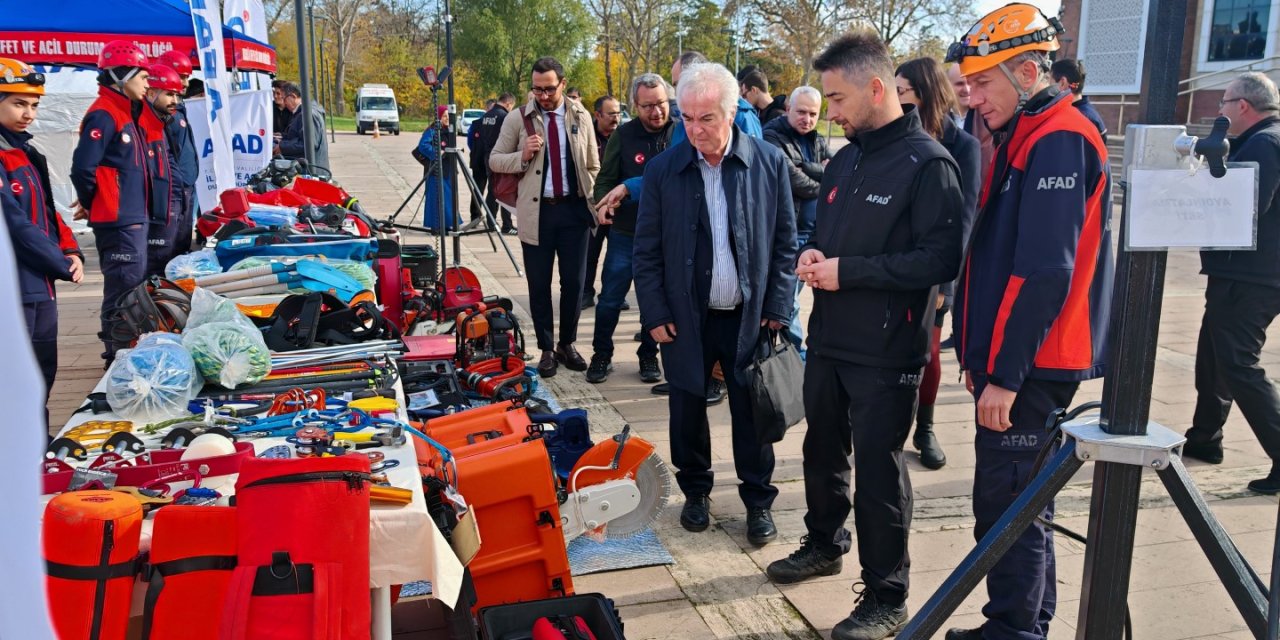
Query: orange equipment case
pixel 193 552
pixel 91 556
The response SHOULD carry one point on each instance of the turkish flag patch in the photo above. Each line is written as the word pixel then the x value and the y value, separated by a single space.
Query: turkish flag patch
pixel 831 197
pixel 96 134
pixel 17 187
pixel 639 158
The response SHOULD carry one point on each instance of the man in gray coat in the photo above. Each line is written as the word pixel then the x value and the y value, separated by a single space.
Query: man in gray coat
pixel 714 263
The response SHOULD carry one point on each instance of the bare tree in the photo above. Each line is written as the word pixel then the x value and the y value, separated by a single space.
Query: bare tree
pixel 798 29
pixel 902 24
pixel 606 13
pixel 342 18
pixel 277 10
pixel 643 25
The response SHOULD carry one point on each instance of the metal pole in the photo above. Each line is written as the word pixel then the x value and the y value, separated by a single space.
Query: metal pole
pixel 1126 393
pixel 328 92
pixel 451 132
pixel 307 134
pixel 311 35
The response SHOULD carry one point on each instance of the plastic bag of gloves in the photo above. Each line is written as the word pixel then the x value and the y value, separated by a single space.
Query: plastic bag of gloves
pixel 153 381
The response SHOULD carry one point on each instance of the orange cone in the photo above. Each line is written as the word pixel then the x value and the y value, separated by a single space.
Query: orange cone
pixel 376 133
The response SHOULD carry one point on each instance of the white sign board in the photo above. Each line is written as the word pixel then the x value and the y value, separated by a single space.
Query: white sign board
pixel 206 16
pixel 1173 209
pixel 249 116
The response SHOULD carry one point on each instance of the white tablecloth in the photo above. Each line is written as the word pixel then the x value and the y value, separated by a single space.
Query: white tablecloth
pixel 404 543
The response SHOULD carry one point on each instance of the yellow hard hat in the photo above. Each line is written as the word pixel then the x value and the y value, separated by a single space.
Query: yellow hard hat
pixel 17 77
pixel 1003 34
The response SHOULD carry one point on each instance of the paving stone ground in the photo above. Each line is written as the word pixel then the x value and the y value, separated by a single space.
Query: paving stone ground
pixel 717 587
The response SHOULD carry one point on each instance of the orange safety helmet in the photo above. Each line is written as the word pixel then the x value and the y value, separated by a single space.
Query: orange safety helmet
pixel 176 60
pixel 1003 34
pixel 164 78
pixel 17 77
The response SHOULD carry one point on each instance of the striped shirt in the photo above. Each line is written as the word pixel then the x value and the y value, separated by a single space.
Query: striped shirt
pixel 725 290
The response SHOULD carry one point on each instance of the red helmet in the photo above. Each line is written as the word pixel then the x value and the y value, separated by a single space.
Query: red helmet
pixel 164 78
pixel 176 60
pixel 121 53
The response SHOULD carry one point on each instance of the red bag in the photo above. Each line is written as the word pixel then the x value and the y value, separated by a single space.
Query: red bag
pixel 506 186
pixel 303 548
pixel 91 552
pixel 193 552
pixel 562 628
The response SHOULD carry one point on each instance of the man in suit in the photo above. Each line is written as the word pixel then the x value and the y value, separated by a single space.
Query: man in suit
pixel 558 166
pixel 714 263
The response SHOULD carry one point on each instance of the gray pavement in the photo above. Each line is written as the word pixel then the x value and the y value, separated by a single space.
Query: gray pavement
pixel 717 588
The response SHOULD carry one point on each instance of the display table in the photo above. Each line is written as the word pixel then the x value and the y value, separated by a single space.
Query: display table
pixel 404 543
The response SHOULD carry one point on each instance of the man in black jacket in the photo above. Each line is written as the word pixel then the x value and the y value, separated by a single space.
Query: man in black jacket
pixel 1243 294
pixel 293 144
pixel 630 148
pixel 888 232
pixel 808 154
pixel 486 131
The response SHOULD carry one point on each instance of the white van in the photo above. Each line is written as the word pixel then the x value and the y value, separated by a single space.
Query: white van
pixel 376 103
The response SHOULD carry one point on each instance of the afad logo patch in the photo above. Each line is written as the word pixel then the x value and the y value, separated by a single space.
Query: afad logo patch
pixel 831 197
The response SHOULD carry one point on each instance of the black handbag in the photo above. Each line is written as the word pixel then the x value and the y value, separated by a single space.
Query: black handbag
pixel 777 392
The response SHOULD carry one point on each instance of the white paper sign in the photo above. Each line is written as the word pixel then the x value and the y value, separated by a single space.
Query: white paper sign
pixel 249 116
pixel 1172 209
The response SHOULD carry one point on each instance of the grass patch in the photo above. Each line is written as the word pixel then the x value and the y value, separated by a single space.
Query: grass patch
pixel 345 123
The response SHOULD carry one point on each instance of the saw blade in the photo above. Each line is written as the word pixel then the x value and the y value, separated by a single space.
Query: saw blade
pixel 654 481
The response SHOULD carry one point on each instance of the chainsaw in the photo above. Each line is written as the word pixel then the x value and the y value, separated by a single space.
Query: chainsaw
pixel 616 489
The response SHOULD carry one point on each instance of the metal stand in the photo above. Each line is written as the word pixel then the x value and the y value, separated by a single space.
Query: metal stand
pixel 1086 441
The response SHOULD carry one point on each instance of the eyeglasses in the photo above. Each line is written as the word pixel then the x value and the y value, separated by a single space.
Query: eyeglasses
pixel 651 107
pixel 1223 102
pixel 902 91
pixel 35 79
pixel 545 91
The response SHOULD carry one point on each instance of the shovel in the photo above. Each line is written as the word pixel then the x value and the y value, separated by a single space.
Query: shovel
pixel 324 278
pixel 230 276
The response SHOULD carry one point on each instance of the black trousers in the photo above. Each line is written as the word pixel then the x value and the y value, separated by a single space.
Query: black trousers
pixel 482 179
pixel 691 435
pixel 595 246
pixel 1022 587
pixel 866 412
pixel 1236 317
pixel 42 326
pixel 562 234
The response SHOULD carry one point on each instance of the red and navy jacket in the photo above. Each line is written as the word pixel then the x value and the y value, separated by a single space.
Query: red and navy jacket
pixel 41 240
pixel 1035 291
pixel 109 166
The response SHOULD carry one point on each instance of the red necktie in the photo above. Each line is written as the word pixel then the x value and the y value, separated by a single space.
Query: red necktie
pixel 557 173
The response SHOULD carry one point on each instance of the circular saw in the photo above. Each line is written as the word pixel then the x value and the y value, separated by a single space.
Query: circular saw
pixel 617 489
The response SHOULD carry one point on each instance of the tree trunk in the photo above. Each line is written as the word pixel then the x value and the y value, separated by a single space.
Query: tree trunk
pixel 340 75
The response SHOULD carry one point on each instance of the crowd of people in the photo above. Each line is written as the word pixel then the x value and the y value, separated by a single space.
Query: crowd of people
pixel 977 187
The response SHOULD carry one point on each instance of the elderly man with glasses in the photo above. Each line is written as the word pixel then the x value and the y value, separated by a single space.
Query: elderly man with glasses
pixel 1243 294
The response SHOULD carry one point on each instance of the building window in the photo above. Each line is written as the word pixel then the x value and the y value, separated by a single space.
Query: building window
pixel 1239 29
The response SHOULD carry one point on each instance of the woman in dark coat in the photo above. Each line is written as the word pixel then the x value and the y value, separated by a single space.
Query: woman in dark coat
pixel 924 83
pixel 428 147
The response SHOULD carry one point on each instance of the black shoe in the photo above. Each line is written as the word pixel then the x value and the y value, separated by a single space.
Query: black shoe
pixel 931 454
pixel 803 563
pixel 760 529
pixel 947 345
pixel 638 337
pixel 715 392
pixel 663 389
pixel 1210 452
pixel 626 306
pixel 547 365
pixel 964 634
pixel 568 356
pixel 600 368
pixel 696 514
pixel 650 372
pixel 1269 485
pixel 588 301
pixel 871 619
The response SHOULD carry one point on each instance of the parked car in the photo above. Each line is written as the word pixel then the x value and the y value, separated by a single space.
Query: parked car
pixel 468 116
